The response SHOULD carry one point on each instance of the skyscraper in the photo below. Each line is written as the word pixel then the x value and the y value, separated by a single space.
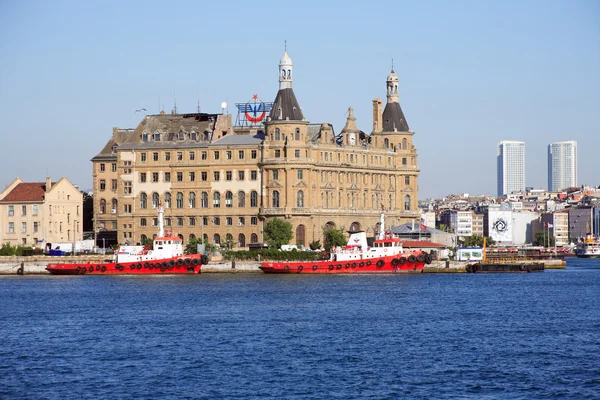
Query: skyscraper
pixel 511 167
pixel 562 165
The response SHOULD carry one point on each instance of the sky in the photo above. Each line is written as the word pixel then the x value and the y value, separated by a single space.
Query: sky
pixel 471 73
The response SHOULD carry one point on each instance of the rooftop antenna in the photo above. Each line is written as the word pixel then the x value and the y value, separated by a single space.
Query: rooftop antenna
pixel 285 45
pixel 392 64
pixel 159 103
pixel 174 103
pixel 198 101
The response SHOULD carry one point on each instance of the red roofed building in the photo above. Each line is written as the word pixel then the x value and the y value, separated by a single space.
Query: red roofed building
pixel 35 213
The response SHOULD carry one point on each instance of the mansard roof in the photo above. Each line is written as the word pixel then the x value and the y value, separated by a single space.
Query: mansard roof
pixel 290 109
pixel 393 118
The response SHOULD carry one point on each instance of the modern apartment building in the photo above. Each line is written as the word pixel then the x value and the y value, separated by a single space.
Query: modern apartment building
pixel 511 167
pixel 562 165
pixel 35 213
pixel 224 184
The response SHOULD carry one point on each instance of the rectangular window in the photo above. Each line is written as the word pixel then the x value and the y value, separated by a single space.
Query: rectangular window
pixel 11 211
pixel 204 155
pixel 101 167
pixel 179 221
pixel 167 177
pixel 407 180
pixel 179 156
pixel 11 227
pixel 228 221
pixel 180 177
pixel 127 208
pixel 155 156
pixel 404 161
pixel 192 176
pixel 102 184
pixel 143 157
pixel 167 221
pixel 297 153
pixel 216 155
pixel 204 175
pixel 35 209
pixel 240 175
pixel 242 221
pixel 36 227
pixel 275 174
pixel 217 221
pixel 253 154
pixel 113 184
pixel 192 156
pixel 228 154
pixel 277 153
pixel 143 177
pixel 155 177
pixel 23 227
pixel 253 175
pixel 143 222
pixel 113 167
pixel 241 154
pixel 228 176
pixel 205 221
pixel 192 221
pixel 254 221
pixel 167 156
pixel 127 187
pixel 216 176
pixel 300 173
pixel 23 210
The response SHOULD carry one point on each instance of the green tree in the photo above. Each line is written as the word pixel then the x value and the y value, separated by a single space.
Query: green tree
pixel 543 238
pixel 316 245
pixel 147 242
pixel 88 212
pixel 476 241
pixel 333 237
pixel 278 232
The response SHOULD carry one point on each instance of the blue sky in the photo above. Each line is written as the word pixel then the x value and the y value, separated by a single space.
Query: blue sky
pixel 472 73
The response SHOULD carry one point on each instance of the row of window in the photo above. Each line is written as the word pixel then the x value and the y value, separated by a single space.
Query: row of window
pixel 353 177
pixel 206 221
pixel 278 135
pixel 36 226
pixel 191 155
pixel 171 136
pixel 216 238
pixel 191 176
pixel 352 200
pixel 113 167
pixel 11 210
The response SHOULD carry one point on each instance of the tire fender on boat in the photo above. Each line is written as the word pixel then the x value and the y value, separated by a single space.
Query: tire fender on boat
pixel 331 267
pixel 300 268
pixel 380 263
pixel 412 258
pixel 103 268
pixel 195 262
pixel 315 267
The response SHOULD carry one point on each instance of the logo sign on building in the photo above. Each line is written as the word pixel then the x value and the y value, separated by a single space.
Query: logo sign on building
pixel 253 112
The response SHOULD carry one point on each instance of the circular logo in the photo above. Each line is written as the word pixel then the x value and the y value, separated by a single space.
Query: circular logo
pixel 255 110
pixel 500 225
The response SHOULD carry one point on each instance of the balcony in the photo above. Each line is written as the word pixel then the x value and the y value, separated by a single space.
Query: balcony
pixel 302 210
pixel 272 211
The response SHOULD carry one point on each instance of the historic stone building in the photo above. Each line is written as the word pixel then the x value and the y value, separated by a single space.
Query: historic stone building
pixel 224 183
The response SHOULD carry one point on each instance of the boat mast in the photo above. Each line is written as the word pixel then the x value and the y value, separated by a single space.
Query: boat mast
pixel 382 225
pixel 161 221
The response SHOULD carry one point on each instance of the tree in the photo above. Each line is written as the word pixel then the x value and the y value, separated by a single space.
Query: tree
pixel 278 232
pixel 88 212
pixel 147 242
pixel 543 238
pixel 316 245
pixel 333 237
pixel 476 241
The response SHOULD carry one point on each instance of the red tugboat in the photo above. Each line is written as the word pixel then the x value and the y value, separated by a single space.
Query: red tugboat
pixel 165 257
pixel 386 256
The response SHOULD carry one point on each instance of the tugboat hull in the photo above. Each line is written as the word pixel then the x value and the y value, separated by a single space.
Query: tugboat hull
pixel 178 265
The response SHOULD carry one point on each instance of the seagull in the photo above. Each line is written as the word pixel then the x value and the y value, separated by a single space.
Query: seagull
pixel 140 110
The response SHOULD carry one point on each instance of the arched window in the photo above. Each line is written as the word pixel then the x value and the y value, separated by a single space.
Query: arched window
pixel 254 238
pixel 217 238
pixel 407 202
pixel 192 237
pixel 192 200
pixel 216 199
pixel 300 235
pixel 241 240
pixel 204 200
pixel 102 206
pixel 404 144
pixel 300 199
pixel 143 238
pixel 283 73
pixel 355 227
pixel 114 206
pixel 228 199
pixel 241 200
pixel 143 200
pixel 275 198
pixel 205 239
pixel 167 200
pixel 155 200
pixel 277 134
pixel 390 201
pixel 289 73
pixel 179 200
pixel 253 199
pixel 297 133
pixel 386 143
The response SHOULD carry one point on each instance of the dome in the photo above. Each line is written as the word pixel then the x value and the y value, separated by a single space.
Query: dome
pixel 285 60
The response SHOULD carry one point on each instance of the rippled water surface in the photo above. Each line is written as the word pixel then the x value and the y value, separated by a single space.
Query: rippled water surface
pixel 253 336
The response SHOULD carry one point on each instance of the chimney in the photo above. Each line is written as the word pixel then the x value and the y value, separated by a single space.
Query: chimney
pixel 48 184
pixel 377 115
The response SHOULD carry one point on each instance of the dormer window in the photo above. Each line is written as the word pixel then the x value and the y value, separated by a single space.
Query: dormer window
pixel 181 135
pixel 114 148
pixel 156 137
pixel 144 136
pixel 194 136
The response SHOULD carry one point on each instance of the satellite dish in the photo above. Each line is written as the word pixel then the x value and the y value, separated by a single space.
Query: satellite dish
pixel 224 104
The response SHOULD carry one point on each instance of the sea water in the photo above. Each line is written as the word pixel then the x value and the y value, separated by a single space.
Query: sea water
pixel 254 336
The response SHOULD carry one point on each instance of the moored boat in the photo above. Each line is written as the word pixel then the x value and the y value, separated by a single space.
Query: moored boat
pixel 385 256
pixel 165 257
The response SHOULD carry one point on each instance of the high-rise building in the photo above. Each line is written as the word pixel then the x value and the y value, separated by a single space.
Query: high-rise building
pixel 562 165
pixel 511 167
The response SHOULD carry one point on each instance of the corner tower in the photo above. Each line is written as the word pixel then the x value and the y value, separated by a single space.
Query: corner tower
pixel 285 106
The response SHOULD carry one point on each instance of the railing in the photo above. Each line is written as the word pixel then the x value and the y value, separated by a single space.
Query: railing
pixel 301 210
pixel 272 210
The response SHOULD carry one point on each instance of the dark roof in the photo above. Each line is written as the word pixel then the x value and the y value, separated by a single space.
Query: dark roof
pixel 26 191
pixel 408 228
pixel 290 109
pixel 239 140
pixel 420 243
pixel 393 118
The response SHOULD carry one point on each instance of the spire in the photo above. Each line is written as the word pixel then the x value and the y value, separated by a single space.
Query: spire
pixel 350 121
pixel 393 117
pixel 392 86
pixel 286 107
pixel 285 71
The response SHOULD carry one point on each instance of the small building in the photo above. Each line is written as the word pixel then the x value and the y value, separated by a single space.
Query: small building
pixel 469 254
pixel 437 250
pixel 36 213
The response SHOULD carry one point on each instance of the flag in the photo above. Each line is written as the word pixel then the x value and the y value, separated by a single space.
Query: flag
pixel 423 227
pixel 548 225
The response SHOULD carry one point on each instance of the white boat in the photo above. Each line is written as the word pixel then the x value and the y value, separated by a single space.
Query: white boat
pixel 588 247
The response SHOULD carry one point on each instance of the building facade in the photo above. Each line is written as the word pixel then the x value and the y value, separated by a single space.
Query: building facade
pixel 461 222
pixel 562 165
pixel 511 167
pixel 36 213
pixel 224 184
